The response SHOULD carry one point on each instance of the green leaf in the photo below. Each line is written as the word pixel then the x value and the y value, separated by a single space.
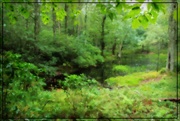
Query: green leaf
pixel 154 16
pixel 155 6
pixel 135 8
pixel 148 16
pixel 145 18
pixel 134 13
pixel 60 15
pixel 110 15
pixel 45 18
pixel 162 7
pixel 135 23
pixel 119 7
pixel 144 21
pixel 24 12
pixel 103 9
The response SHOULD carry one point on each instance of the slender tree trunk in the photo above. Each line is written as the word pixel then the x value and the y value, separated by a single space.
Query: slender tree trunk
pixel 79 18
pixel 172 39
pixel 66 17
pixel 27 20
pixel 36 20
pixel 120 49
pixel 114 47
pixel 142 49
pixel 102 44
pixel 59 27
pixel 54 20
pixel 121 46
pixel 102 36
pixel 74 28
pixel 85 18
pixel 159 48
pixel 85 22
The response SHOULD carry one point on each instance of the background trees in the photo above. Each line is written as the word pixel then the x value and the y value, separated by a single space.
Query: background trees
pixel 59 32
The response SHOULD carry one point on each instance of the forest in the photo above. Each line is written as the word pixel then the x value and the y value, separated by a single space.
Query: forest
pixel 90 60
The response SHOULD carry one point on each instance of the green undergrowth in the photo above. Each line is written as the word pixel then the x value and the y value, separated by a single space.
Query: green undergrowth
pixel 132 79
pixel 166 87
pixel 25 97
pixel 143 101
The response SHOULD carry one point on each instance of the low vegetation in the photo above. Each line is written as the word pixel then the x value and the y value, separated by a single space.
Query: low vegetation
pixel 129 97
pixel 132 79
pixel 132 102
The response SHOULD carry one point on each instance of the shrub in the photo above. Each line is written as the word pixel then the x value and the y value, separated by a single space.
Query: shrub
pixel 20 82
pixel 77 81
pixel 162 71
pixel 121 69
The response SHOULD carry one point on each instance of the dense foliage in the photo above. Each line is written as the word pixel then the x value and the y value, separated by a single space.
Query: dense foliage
pixel 89 60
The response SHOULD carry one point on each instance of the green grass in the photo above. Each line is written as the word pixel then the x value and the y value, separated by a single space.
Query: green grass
pixel 131 79
pixel 164 88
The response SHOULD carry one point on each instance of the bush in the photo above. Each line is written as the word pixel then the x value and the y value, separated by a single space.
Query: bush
pixel 121 69
pixel 77 81
pixel 162 71
pixel 20 82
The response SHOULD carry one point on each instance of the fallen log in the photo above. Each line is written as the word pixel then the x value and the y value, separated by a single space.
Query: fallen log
pixel 171 99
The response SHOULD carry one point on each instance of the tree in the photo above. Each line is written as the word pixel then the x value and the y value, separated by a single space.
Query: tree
pixel 172 32
pixel 54 19
pixel 150 15
pixel 102 35
pixel 66 17
pixel 36 19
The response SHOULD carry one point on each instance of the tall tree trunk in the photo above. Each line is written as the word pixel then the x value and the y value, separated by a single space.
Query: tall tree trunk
pixel 66 17
pixel 120 49
pixel 120 52
pixel 102 44
pixel 85 21
pixel 114 47
pixel 102 36
pixel 79 19
pixel 36 20
pixel 59 27
pixel 172 39
pixel 121 46
pixel 73 28
pixel 159 48
pixel 85 18
pixel 54 20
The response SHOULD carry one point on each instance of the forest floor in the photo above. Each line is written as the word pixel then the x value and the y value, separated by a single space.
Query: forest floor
pixel 138 101
pixel 152 80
